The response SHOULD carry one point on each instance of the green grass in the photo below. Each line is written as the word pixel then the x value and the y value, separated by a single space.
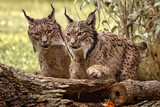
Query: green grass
pixel 15 47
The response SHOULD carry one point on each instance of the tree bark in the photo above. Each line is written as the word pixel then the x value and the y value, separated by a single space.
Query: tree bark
pixel 146 103
pixel 22 89
pixel 130 91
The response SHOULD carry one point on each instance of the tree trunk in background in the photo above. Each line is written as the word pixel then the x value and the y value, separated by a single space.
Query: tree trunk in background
pixel 130 91
pixel 158 51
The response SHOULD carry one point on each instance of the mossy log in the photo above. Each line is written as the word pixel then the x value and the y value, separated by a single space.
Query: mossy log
pixel 21 89
pixel 131 91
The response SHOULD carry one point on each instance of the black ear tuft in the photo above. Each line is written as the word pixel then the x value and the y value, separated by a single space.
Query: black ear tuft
pixel 52 15
pixel 69 20
pixel 94 10
pixel 52 7
pixel 29 19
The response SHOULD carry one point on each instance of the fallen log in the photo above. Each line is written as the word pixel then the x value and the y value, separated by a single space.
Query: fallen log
pixel 130 91
pixel 146 103
pixel 21 89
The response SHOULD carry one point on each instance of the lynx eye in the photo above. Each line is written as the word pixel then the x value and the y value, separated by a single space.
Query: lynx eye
pixel 68 34
pixel 79 34
pixel 37 34
pixel 49 31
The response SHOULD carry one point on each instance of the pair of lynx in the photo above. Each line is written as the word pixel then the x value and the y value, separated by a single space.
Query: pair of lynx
pixel 80 52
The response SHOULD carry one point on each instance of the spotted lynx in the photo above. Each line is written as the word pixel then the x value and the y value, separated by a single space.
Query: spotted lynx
pixel 47 39
pixel 100 55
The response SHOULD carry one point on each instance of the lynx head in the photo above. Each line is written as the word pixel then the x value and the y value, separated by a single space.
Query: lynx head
pixel 45 31
pixel 81 35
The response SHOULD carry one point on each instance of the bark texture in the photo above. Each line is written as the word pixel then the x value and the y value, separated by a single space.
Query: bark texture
pixel 22 89
pixel 146 103
pixel 131 91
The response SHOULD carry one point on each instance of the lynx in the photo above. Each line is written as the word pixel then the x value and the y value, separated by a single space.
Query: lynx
pixel 47 37
pixel 100 55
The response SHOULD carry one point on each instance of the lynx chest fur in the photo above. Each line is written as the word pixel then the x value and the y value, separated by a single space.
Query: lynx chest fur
pixel 100 55
pixel 47 37
pixel 54 62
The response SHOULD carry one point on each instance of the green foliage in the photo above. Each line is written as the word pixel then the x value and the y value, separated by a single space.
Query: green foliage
pixel 157 4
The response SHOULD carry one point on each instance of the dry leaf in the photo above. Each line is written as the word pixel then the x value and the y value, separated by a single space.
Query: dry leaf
pixel 108 104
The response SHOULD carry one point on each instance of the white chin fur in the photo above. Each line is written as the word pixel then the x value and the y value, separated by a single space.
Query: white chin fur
pixel 58 43
pixel 72 53
pixel 84 48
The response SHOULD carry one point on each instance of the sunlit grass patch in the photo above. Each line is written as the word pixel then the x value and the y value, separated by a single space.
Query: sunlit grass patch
pixel 16 50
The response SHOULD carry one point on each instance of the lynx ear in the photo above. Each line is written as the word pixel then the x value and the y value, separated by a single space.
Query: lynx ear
pixel 52 15
pixel 69 20
pixel 29 19
pixel 91 19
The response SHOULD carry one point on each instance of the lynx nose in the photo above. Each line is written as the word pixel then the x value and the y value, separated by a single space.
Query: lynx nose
pixel 73 41
pixel 44 40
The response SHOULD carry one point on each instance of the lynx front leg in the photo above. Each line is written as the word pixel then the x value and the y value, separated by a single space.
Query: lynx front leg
pixel 100 72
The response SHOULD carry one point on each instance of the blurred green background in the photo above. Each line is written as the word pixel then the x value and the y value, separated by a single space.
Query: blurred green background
pixel 15 47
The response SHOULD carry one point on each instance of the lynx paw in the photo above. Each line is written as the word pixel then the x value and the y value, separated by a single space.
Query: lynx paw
pixel 100 72
pixel 95 73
